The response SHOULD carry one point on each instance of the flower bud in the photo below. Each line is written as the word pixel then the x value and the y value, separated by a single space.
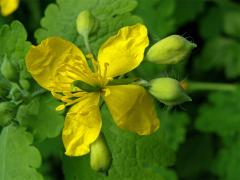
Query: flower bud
pixel 170 50
pixel 6 112
pixel 168 91
pixel 100 156
pixel 86 23
pixel 24 84
pixel 8 70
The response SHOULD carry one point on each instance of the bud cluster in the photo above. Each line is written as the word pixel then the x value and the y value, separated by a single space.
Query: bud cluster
pixel 170 50
pixel 13 89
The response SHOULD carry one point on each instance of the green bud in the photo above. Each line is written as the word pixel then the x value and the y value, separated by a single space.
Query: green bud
pixel 24 84
pixel 86 23
pixel 170 50
pixel 8 70
pixel 100 156
pixel 6 112
pixel 168 91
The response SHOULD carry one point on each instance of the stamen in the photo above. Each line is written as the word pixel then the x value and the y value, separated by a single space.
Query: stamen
pixel 60 107
pixel 57 95
pixel 75 101
pixel 105 70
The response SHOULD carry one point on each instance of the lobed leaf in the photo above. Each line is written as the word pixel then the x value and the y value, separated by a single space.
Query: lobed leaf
pixel 111 15
pixel 220 114
pixel 18 158
pixel 40 116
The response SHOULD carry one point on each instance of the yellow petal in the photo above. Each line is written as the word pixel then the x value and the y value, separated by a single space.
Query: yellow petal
pixel 124 51
pixel 82 125
pixel 8 6
pixel 56 63
pixel 132 108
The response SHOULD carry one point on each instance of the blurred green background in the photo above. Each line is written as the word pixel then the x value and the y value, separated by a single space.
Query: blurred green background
pixel 199 140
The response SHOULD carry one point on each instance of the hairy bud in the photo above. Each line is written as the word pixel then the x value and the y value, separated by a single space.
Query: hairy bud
pixel 100 156
pixel 168 91
pixel 86 23
pixel 170 50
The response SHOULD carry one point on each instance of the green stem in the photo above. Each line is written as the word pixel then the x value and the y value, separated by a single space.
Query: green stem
pixel 205 86
pixel 86 41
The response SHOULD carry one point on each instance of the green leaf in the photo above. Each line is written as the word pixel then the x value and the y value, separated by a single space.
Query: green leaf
pixel 207 28
pixel 195 156
pixel 186 10
pixel 227 163
pixel 226 58
pixel 40 116
pixel 232 22
pixel 18 158
pixel 134 157
pixel 220 114
pixel 14 47
pixel 60 19
pixel 173 128
pixel 158 16
pixel 13 41
pixel 226 18
pixel 52 152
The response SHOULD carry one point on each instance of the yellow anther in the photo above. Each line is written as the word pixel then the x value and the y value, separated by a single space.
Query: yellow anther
pixel 105 70
pixel 56 95
pixel 60 107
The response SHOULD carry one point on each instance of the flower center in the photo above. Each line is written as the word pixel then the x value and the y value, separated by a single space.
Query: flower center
pixel 82 79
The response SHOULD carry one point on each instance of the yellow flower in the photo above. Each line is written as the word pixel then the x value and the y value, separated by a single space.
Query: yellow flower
pixel 56 63
pixel 8 6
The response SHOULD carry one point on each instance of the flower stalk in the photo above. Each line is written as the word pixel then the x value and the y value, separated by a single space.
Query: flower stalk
pixel 192 86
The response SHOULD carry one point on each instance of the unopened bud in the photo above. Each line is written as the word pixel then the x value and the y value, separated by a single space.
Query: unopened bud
pixel 170 50
pixel 24 84
pixel 168 91
pixel 100 156
pixel 6 112
pixel 8 70
pixel 86 23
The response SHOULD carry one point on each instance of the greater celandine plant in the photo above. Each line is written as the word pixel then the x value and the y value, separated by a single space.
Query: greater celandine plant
pixel 84 83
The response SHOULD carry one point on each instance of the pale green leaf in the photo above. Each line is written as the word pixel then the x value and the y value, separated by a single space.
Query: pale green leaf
pixel 18 158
